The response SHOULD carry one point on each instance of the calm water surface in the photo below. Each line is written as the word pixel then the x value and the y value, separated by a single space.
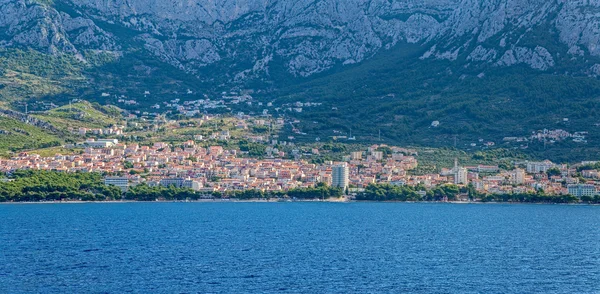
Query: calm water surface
pixel 299 248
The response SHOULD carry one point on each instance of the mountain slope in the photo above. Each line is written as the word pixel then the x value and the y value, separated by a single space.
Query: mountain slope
pixel 490 69
pixel 17 136
pixel 401 97
pixel 243 39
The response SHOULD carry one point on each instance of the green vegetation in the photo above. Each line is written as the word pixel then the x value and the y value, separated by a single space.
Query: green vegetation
pixel 538 197
pixel 590 199
pixel 56 186
pixel 35 186
pixel 553 172
pixel 320 191
pixel 81 114
pixel 144 192
pixel 260 129
pixel 19 136
pixel 334 147
pixel 253 149
pixel 394 92
pixel 401 95
pixel 386 192
pixel 588 167
pixel 389 193
pixel 30 74
pixel 16 136
pixel 27 185
pixel 431 160
pixel 178 132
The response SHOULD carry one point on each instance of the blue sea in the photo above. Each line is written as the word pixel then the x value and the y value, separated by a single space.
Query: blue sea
pixel 299 248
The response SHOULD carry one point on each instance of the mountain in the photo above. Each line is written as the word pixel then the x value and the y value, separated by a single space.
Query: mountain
pixel 430 59
pixel 247 37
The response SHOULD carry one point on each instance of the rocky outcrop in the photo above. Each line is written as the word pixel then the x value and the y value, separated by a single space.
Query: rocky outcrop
pixel 27 23
pixel 84 34
pixel 482 54
pixel 578 23
pixel 538 58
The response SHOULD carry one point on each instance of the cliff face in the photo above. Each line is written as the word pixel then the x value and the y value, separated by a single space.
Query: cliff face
pixel 39 26
pixel 246 37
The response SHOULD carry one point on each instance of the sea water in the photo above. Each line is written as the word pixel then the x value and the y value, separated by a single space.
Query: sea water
pixel 299 248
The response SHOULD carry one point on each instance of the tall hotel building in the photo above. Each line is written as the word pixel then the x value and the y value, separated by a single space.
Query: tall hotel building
pixel 339 175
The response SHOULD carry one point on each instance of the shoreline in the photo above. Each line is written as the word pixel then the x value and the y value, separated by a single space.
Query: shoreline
pixel 292 201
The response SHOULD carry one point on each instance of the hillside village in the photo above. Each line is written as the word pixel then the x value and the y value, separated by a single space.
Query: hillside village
pixel 220 153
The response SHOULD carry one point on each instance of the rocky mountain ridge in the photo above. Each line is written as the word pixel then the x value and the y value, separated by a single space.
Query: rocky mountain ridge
pixel 244 38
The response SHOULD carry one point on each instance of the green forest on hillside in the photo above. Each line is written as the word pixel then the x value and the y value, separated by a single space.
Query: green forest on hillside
pixel 16 136
pixel 394 93
pixel 400 95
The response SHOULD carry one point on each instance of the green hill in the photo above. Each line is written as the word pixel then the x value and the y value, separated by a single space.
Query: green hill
pixel 17 136
pixel 81 114
pixel 400 95
pixel 28 75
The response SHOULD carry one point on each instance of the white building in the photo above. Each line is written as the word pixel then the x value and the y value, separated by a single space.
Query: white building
pixel 356 155
pixel 539 167
pixel 339 175
pixel 519 176
pixel 181 183
pixel 120 182
pixel 461 176
pixel 100 143
pixel 582 190
pixel 177 182
pixel 190 184
pixel 377 155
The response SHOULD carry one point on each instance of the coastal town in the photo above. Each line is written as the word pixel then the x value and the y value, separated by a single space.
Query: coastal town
pixel 216 169
pixel 187 148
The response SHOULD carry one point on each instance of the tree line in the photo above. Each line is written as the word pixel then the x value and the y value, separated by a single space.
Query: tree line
pixel 387 192
pixel 320 191
pixel 35 186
